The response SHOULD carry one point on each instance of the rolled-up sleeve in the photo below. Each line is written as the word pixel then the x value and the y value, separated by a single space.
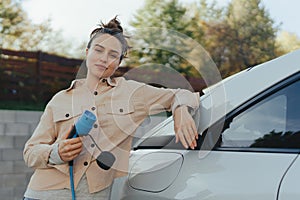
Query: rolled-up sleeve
pixel 54 158
pixel 38 148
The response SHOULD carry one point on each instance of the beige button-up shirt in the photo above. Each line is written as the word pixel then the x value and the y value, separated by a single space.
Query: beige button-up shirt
pixel 120 106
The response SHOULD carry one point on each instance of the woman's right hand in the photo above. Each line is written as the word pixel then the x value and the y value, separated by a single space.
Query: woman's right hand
pixel 69 149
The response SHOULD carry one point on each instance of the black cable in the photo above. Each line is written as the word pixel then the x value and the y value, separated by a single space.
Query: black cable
pixel 106 159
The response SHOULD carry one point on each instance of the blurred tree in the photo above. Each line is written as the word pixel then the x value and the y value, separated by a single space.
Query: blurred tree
pixel 19 33
pixel 249 35
pixel 11 18
pixel 237 36
pixel 287 42
pixel 207 26
pixel 158 37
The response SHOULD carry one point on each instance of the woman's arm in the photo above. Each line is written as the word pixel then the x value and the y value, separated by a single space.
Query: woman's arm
pixel 179 101
pixel 38 148
pixel 185 128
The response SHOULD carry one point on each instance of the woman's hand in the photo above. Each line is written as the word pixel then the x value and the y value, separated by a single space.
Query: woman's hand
pixel 185 128
pixel 69 149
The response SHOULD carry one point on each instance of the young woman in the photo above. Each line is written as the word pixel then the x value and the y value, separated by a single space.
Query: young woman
pixel 120 107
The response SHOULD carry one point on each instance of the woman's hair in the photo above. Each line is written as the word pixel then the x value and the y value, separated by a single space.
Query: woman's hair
pixel 114 28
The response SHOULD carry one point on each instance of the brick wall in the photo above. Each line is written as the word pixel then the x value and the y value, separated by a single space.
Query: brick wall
pixel 15 128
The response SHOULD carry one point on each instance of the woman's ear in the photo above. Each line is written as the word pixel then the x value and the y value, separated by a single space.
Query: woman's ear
pixel 86 51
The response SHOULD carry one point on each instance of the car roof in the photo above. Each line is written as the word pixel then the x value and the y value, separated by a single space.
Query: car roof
pixel 233 91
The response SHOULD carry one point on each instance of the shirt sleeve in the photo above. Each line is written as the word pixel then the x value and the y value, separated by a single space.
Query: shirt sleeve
pixel 54 158
pixel 38 148
pixel 161 99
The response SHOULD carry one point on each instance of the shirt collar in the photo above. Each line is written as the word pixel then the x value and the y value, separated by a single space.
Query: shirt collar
pixel 78 82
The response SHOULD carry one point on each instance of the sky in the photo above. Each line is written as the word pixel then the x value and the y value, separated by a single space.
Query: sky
pixel 77 18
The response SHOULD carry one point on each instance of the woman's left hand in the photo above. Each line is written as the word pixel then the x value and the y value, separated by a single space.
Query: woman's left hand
pixel 185 128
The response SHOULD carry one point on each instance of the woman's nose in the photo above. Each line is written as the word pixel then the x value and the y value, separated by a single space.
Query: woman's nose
pixel 104 57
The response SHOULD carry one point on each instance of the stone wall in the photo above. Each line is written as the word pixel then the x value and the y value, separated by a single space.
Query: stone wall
pixel 15 128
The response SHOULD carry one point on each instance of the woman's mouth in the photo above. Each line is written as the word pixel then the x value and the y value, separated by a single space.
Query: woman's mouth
pixel 101 67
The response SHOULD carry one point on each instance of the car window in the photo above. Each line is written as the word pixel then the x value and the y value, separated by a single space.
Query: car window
pixel 274 122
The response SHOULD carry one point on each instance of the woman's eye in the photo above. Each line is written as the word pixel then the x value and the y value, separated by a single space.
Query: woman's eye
pixel 99 50
pixel 113 56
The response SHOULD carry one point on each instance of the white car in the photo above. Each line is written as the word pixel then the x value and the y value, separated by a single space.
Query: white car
pixel 249 144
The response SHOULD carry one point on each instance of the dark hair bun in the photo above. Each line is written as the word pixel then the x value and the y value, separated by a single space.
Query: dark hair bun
pixel 113 24
pixel 112 27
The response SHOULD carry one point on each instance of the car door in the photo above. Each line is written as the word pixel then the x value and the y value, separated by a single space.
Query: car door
pixel 289 188
pixel 257 148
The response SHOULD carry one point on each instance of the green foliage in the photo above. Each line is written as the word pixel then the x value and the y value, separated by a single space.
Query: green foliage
pixel 252 34
pixel 11 18
pixel 157 27
pixel 240 36
pixel 16 29
pixel 237 36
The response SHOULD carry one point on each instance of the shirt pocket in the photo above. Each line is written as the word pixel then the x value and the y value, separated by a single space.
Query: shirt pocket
pixel 119 108
pixel 61 114
pixel 64 119
pixel 119 117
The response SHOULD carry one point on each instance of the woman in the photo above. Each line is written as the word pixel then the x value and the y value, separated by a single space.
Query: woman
pixel 120 107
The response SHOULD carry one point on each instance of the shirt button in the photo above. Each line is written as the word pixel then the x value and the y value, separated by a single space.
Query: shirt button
pixel 67 115
pixel 95 125
pixel 85 163
pixel 121 110
pixel 92 145
pixel 93 108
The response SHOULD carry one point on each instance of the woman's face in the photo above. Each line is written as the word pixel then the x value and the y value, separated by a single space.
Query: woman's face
pixel 103 57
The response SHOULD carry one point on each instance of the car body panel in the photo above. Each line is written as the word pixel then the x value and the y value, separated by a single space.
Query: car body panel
pixel 289 189
pixel 229 168
pixel 257 174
